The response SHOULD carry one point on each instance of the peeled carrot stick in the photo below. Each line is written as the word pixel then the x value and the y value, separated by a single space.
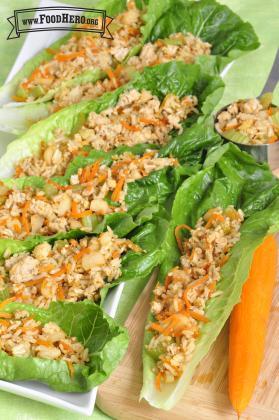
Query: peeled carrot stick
pixel 248 325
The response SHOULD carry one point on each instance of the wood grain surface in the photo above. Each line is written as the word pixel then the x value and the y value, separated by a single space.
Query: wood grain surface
pixel 206 398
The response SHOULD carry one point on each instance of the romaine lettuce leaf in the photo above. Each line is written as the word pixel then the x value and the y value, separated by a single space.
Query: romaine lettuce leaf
pixel 226 179
pixel 106 341
pixel 212 22
pixel 174 77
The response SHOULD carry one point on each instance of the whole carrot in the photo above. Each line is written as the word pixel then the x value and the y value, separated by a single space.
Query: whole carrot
pixel 248 325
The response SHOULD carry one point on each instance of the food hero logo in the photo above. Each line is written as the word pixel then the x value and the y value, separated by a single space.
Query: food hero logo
pixel 60 19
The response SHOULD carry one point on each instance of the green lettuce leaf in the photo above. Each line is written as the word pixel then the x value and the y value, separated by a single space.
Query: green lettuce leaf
pixel 105 340
pixel 212 22
pixel 226 180
pixel 174 77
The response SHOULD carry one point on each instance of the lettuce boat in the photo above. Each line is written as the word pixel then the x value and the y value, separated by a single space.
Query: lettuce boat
pixel 173 78
pixel 229 178
pixel 59 208
pixel 105 340
pixel 161 20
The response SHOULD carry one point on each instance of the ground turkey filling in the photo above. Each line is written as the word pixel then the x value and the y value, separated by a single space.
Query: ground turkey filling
pixel 23 336
pixel 83 52
pixel 249 122
pixel 69 270
pixel 179 305
pixel 95 190
pixel 138 117
pixel 177 47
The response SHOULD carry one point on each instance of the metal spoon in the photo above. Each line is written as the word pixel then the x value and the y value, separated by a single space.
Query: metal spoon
pixel 261 152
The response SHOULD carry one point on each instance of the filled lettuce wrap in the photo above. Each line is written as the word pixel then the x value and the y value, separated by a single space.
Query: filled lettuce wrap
pixel 154 108
pixel 121 189
pixel 72 347
pixel 219 217
pixel 94 67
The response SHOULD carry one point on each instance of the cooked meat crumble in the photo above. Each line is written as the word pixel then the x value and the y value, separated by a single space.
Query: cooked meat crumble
pixel 179 305
pixel 69 270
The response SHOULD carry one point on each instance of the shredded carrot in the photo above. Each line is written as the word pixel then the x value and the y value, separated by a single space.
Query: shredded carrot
pixel 67 347
pixel 59 272
pixel 224 260
pixel 17 227
pixel 60 292
pixel 45 343
pixel 46 268
pixel 112 77
pixel 214 216
pixel 24 219
pixel 4 322
pixel 115 254
pixel 33 282
pixel 129 127
pixel 191 286
pixel 272 139
pixel 51 51
pixel 6 315
pixel 71 369
pixel 42 198
pixel 81 253
pixel 76 214
pixel 116 193
pixel 270 111
pixel 68 57
pixel 7 301
pixel 95 168
pixel 158 380
pixel 152 122
pixel 68 267
pixel 18 98
pixel 3 222
pixel 102 178
pixel 85 174
pixel 198 317
pixel 157 327
pixel 168 280
pixel 177 237
pixel 58 186
pixel 147 156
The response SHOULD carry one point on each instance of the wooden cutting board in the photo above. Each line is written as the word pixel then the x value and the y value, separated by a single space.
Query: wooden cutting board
pixel 206 398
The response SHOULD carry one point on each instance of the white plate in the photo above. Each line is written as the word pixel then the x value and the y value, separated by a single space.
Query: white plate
pixel 82 403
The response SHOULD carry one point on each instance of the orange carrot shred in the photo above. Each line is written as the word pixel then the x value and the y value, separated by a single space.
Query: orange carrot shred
pixel 129 127
pixel 7 301
pixel 45 343
pixel 158 380
pixel 214 216
pixel 116 193
pixel 81 253
pixel 71 369
pixel 6 315
pixel 177 237
pixel 70 56
pixel 24 218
